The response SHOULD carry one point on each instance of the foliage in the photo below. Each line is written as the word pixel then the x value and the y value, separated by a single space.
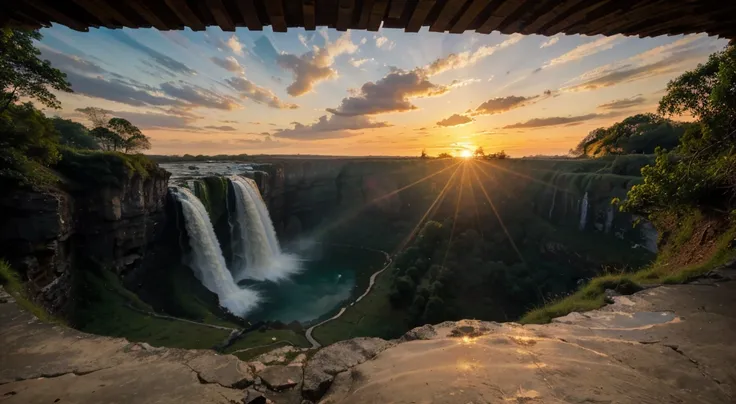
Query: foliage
pixel 638 134
pixel 74 134
pixel 103 168
pixel 12 283
pixel 23 74
pixel 116 133
pixel 28 145
pixel 701 171
pixel 497 156
pixel 479 153
pixel 444 156
pixel 424 154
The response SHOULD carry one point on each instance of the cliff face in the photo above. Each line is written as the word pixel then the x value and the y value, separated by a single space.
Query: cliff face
pixel 44 234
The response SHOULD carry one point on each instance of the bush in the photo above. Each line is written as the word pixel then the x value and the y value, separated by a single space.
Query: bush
pixel 103 168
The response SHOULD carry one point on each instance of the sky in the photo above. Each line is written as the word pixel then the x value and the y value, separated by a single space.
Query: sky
pixel 364 93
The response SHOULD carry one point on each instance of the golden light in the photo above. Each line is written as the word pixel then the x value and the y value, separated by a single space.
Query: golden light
pixel 466 154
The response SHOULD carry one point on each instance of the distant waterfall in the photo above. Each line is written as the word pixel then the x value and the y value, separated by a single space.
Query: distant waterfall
pixel 552 207
pixel 584 212
pixel 609 219
pixel 258 251
pixel 206 258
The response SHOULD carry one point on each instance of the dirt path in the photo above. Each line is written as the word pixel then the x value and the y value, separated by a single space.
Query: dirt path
pixel 371 281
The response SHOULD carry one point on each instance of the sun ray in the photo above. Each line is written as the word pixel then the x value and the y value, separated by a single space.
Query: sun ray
pixel 495 212
pixel 440 197
pixel 457 209
pixel 352 214
pixel 512 172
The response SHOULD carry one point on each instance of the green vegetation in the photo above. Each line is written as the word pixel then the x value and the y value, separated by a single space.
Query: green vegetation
pixel 11 282
pixel 638 134
pixel 103 306
pixel 261 341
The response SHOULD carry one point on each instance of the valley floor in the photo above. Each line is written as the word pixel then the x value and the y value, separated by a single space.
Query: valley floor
pixel 669 344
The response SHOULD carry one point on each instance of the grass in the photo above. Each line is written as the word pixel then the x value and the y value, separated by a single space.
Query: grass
pixel 97 168
pixel 592 295
pixel 373 316
pixel 102 308
pixel 10 280
pixel 262 342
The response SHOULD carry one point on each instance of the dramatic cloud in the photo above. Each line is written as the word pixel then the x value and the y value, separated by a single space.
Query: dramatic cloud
pixel 261 95
pixel 550 42
pixel 502 104
pixel 467 58
pixel 224 128
pixel 163 60
pixel 66 62
pixel 455 120
pixel 115 91
pixel 666 59
pixel 151 120
pixel 389 94
pixel 585 50
pixel 198 96
pixel 229 63
pixel 623 103
pixel 315 66
pixel 234 44
pixel 332 127
pixel 553 121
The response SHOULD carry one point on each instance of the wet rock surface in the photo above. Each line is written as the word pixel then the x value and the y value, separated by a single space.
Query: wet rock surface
pixel 670 344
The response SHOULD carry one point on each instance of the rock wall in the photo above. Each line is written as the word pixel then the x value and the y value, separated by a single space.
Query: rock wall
pixel 45 234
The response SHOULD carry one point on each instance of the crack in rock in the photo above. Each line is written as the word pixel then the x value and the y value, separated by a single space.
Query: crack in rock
pixel 55 375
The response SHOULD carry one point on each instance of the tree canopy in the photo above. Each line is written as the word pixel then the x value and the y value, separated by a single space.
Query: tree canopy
pixel 638 134
pixel 115 134
pixel 23 73
pixel 701 171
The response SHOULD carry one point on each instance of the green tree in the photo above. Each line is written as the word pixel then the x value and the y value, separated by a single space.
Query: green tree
pixel 23 73
pixel 115 134
pixel 701 171
pixel 74 134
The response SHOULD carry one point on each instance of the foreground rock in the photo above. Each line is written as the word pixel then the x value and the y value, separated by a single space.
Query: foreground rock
pixel 671 344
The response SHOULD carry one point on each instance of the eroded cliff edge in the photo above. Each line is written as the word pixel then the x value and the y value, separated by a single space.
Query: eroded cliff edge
pixel 46 234
pixel 669 344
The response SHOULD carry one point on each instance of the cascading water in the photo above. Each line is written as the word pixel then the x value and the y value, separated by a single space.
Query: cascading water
pixel 584 212
pixel 552 206
pixel 206 258
pixel 609 219
pixel 259 254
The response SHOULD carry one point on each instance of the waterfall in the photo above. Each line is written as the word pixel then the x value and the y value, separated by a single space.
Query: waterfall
pixel 609 219
pixel 259 254
pixel 552 207
pixel 206 258
pixel 584 211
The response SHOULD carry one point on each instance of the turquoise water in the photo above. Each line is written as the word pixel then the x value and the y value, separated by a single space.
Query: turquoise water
pixel 338 276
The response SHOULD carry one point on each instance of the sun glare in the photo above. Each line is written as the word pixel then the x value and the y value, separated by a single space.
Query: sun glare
pixel 466 154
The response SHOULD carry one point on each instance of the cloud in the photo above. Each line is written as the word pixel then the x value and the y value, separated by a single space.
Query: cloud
pixel 163 60
pixel 550 42
pixel 554 121
pixel 389 94
pixel 468 58
pixel 585 50
pixel 215 40
pixel 229 63
pixel 667 59
pixel 455 120
pixel 224 128
pixel 382 42
pixel 359 62
pixel 261 95
pixel 234 44
pixel 198 96
pixel 331 127
pixel 503 104
pixel 623 103
pixel 115 91
pixel 66 62
pixel 265 143
pixel 315 66
pixel 151 120
pixel 264 49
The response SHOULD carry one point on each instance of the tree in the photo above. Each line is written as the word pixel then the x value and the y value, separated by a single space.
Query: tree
pixel 74 134
pixel 701 172
pixel 424 154
pixel 116 133
pixel 479 153
pixel 444 156
pixel 23 73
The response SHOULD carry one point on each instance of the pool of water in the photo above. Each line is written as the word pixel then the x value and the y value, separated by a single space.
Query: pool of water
pixel 336 276
pixel 197 169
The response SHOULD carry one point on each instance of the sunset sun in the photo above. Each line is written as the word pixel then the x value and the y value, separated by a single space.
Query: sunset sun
pixel 466 154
